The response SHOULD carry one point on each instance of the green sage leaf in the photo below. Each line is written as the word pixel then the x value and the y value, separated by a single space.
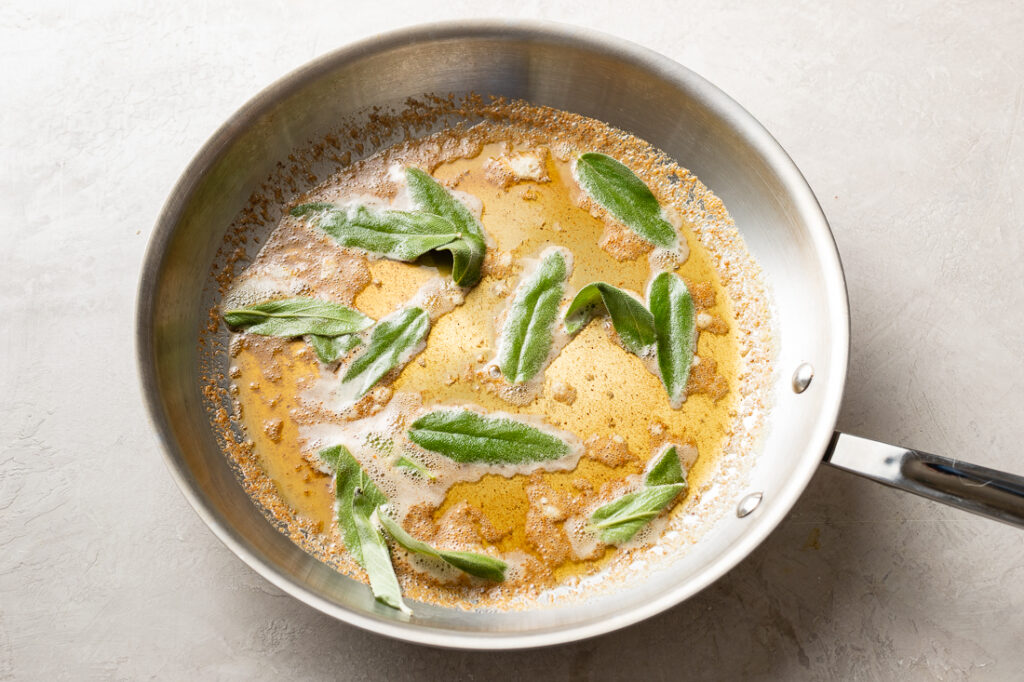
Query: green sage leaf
pixel 376 558
pixel 349 476
pixel 479 565
pixel 632 321
pixel 415 466
pixel 467 259
pixel 615 187
pixel 465 437
pixel 402 235
pixel 329 349
pixel 467 252
pixel 398 235
pixel 674 322
pixel 297 317
pixel 356 498
pixel 666 469
pixel 527 335
pixel 433 197
pixel 619 520
pixel 392 343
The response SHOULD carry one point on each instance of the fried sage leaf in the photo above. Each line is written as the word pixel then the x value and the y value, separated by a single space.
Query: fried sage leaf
pixel 467 259
pixel 349 476
pixel 401 235
pixel 398 235
pixel 392 343
pixel 467 252
pixel 376 557
pixel 479 565
pixel 674 323
pixel 618 521
pixel 632 321
pixel 431 196
pixel 527 335
pixel 615 187
pixel 356 498
pixel 414 466
pixel 666 469
pixel 329 349
pixel 297 317
pixel 465 436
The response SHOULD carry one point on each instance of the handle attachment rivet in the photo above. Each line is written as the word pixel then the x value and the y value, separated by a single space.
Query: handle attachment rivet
pixel 748 504
pixel 802 377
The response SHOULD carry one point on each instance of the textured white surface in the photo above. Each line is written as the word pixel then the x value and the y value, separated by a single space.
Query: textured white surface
pixel 906 119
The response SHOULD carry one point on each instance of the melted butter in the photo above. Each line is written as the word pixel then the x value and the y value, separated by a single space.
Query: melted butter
pixel 269 372
pixel 390 287
pixel 615 394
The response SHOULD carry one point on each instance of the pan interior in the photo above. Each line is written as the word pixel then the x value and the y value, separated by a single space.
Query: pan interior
pixel 628 88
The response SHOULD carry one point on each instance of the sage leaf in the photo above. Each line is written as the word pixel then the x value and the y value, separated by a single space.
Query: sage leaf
pixel 467 252
pixel 349 476
pixel 674 323
pixel 356 499
pixel 392 343
pixel 632 321
pixel 666 469
pixel 433 197
pixel 291 317
pixel 415 466
pixel 329 349
pixel 402 235
pixel 615 187
pixel 398 235
pixel 467 259
pixel 376 558
pixel 479 565
pixel 619 520
pixel 468 437
pixel 527 334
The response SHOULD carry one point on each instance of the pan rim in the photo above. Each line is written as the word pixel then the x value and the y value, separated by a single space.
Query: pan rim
pixel 753 134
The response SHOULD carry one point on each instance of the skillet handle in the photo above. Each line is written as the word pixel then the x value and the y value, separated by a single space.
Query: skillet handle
pixel 987 492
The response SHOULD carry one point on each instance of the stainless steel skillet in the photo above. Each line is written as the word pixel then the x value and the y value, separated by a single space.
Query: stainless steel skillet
pixel 631 88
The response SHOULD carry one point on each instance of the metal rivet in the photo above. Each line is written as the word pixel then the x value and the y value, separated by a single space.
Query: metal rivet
pixel 802 377
pixel 748 504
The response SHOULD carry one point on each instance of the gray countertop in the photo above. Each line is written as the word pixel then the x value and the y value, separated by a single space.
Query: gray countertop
pixel 906 119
